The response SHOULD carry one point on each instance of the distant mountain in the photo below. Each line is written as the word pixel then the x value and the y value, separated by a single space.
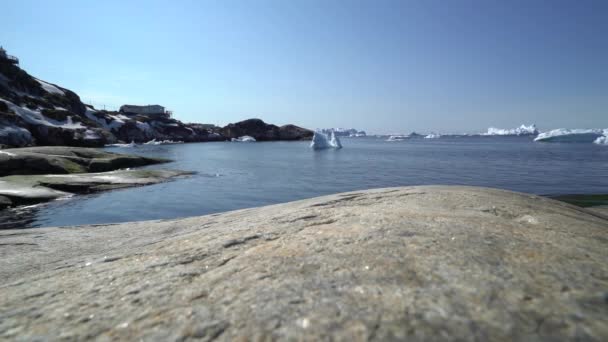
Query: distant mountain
pixel 344 132
pixel 35 112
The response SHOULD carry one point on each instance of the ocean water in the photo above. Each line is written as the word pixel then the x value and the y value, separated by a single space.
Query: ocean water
pixel 241 175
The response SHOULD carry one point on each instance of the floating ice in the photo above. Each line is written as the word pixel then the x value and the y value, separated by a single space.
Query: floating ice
pixel 398 137
pixel 320 141
pixel 132 144
pixel 433 136
pixel 571 135
pixel 335 141
pixel 603 140
pixel 244 138
pixel 162 142
pixel 521 130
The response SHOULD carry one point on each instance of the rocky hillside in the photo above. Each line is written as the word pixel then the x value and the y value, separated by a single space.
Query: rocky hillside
pixel 35 112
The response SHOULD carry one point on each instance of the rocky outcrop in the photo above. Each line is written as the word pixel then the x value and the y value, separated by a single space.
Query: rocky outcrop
pixel 35 112
pixel 20 190
pixel 63 160
pixel 262 131
pixel 416 263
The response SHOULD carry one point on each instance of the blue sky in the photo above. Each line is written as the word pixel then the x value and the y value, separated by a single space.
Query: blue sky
pixel 383 66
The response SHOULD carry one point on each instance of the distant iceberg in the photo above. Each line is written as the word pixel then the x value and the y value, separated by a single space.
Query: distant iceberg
pixel 603 140
pixel 572 135
pixel 244 138
pixel 521 130
pixel 398 137
pixel 132 144
pixel 344 132
pixel 162 142
pixel 320 141
pixel 432 136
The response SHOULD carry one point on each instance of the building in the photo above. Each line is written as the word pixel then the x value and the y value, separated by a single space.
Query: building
pixel 149 110
pixel 10 58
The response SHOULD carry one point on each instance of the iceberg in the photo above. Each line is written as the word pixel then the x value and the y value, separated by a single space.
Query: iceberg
pixel 571 135
pixel 603 140
pixel 162 142
pixel 521 130
pixel 433 136
pixel 132 144
pixel 244 138
pixel 320 141
pixel 335 141
pixel 398 137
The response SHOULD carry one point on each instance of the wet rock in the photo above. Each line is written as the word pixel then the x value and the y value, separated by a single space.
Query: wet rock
pixel 19 190
pixel 64 160
pixel 414 263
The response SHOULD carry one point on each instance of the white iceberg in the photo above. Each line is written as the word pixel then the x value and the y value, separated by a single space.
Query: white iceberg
pixel 320 141
pixel 244 138
pixel 571 135
pixel 162 142
pixel 603 140
pixel 398 137
pixel 132 144
pixel 335 141
pixel 521 130
pixel 433 136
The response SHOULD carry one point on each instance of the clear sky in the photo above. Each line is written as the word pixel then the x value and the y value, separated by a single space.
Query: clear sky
pixel 383 66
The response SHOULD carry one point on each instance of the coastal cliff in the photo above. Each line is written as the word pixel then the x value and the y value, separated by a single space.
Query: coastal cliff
pixel 36 112
pixel 413 263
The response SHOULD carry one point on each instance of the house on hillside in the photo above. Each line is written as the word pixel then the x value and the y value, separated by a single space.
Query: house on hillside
pixel 149 110
pixel 5 56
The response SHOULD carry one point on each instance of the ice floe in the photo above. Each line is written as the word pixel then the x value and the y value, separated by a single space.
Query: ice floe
pixel 162 142
pixel 432 136
pixel 398 137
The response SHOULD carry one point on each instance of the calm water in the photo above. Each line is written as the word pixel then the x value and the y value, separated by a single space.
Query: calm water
pixel 239 175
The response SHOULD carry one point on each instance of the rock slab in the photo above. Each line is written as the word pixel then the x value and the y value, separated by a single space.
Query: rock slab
pixel 414 263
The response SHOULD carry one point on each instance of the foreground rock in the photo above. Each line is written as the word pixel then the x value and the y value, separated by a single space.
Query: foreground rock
pixel 418 263
pixel 262 131
pixel 63 160
pixel 20 190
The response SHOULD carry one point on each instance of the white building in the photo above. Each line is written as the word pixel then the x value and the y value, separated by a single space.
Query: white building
pixel 144 110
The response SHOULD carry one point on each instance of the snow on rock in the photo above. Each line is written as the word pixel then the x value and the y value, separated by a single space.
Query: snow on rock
pixel 571 135
pixel 50 88
pixel 114 124
pixel 320 141
pixel 521 130
pixel 35 117
pixel 244 138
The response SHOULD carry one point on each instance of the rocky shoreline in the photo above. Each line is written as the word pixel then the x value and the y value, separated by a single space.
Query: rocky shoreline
pixel 38 113
pixel 39 174
pixel 415 263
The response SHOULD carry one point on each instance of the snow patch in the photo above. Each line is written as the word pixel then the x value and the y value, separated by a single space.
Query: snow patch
pixel 34 117
pixel 50 88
